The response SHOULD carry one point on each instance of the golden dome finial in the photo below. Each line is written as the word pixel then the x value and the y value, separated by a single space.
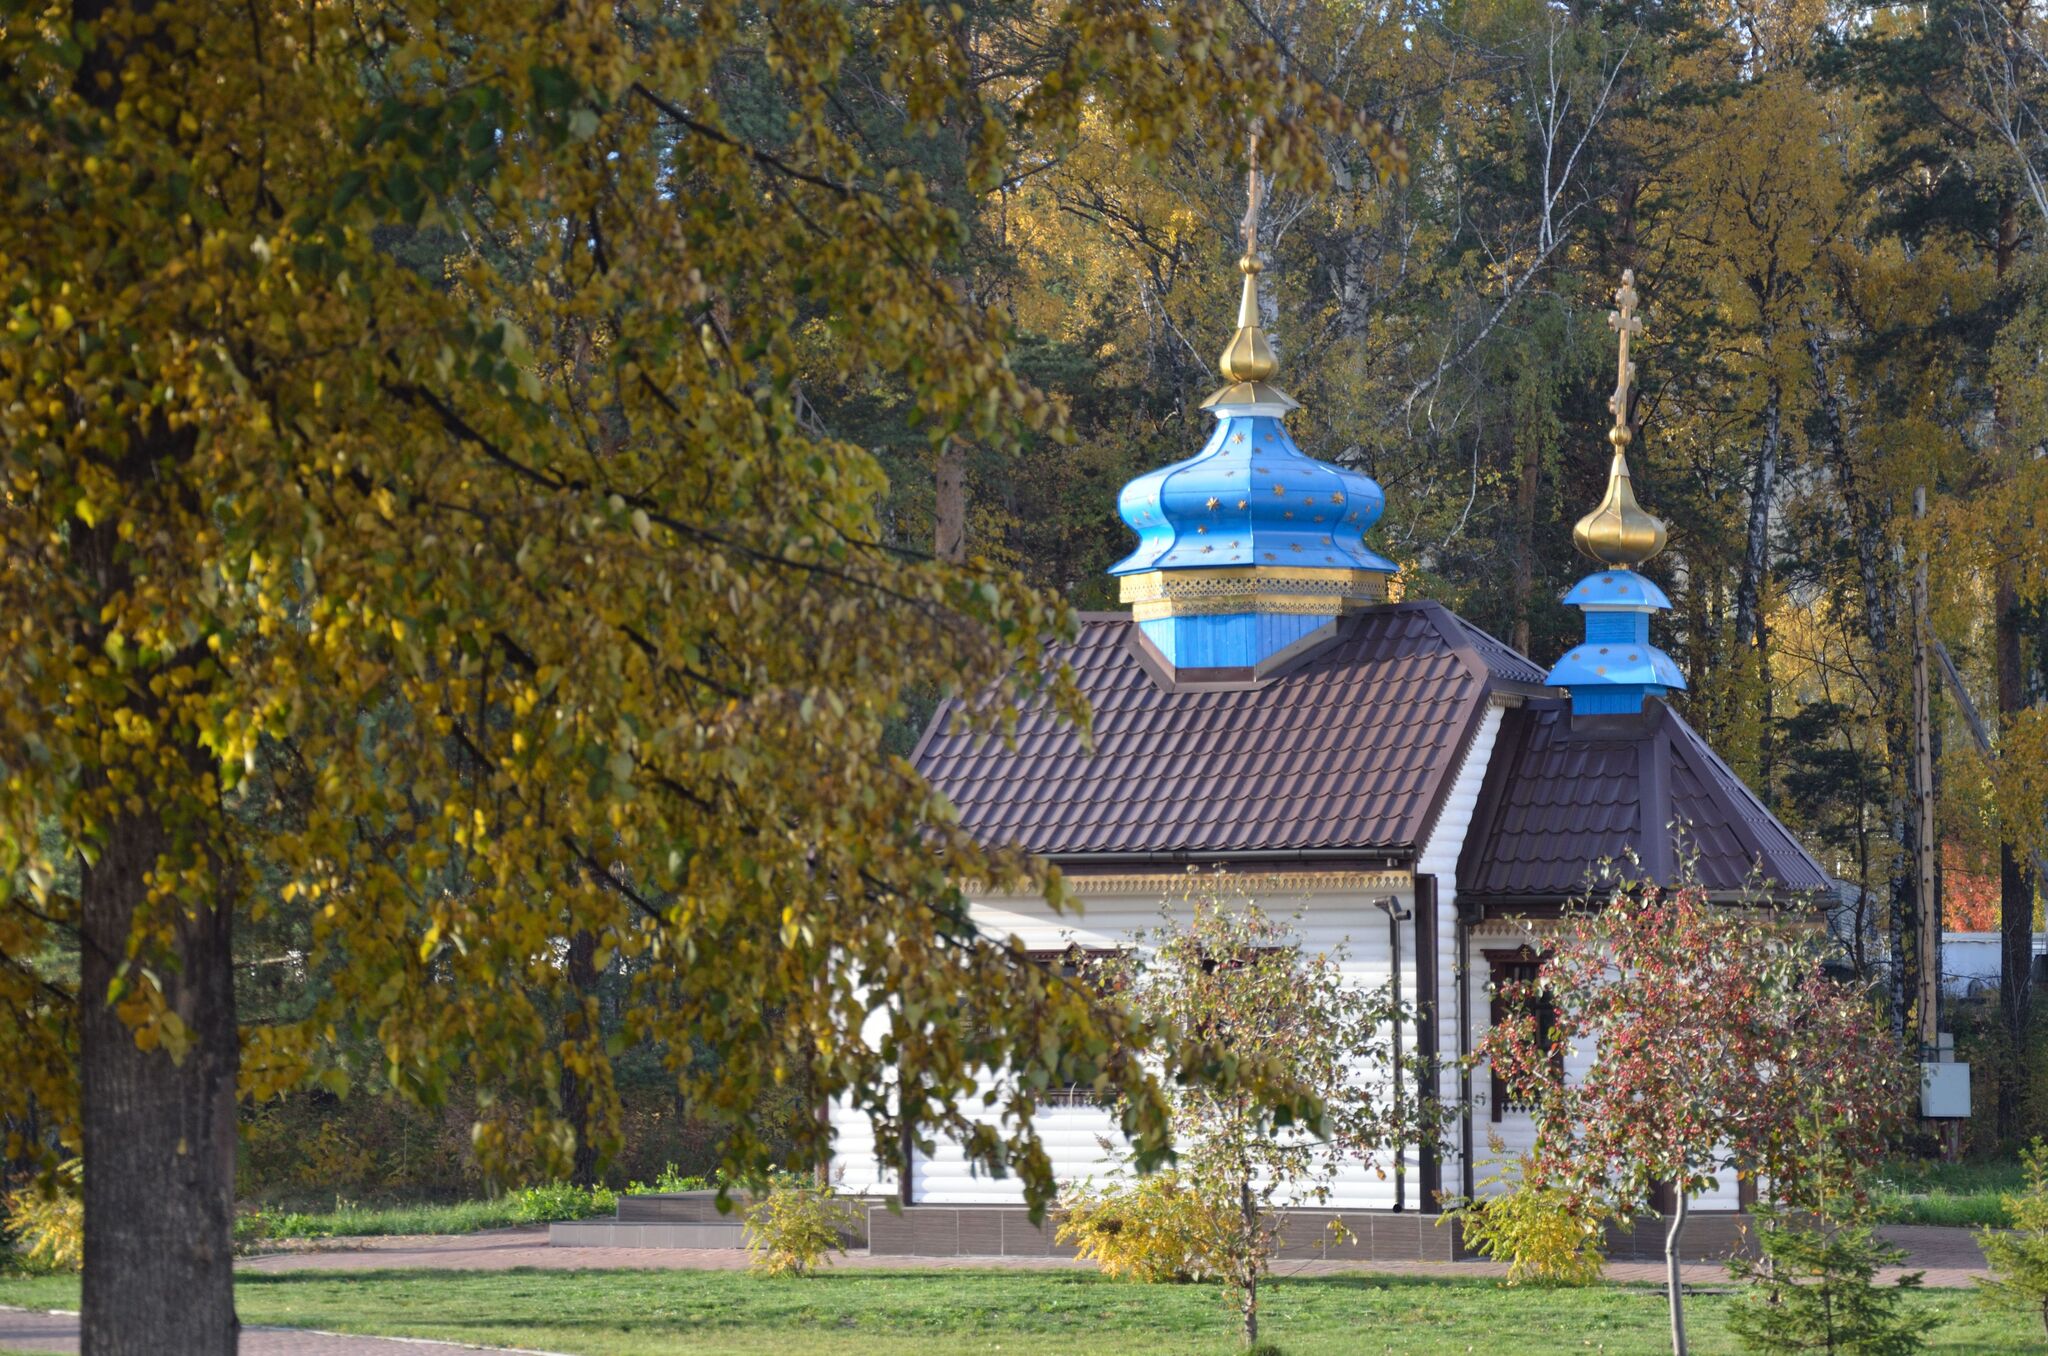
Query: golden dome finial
pixel 1248 359
pixel 1619 532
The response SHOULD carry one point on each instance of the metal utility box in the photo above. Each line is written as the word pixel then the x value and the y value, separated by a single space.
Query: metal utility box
pixel 1944 1091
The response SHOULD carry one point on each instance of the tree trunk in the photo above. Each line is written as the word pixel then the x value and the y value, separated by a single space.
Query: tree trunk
pixel 949 534
pixel 2015 881
pixel 579 1023
pixel 1524 585
pixel 1763 487
pixel 158 1125
pixel 1674 1287
pixel 1750 629
pixel 1867 529
pixel 159 1132
pixel 1251 1264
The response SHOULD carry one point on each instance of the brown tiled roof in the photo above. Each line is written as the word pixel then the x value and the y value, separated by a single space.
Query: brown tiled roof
pixel 1347 748
pixel 1564 794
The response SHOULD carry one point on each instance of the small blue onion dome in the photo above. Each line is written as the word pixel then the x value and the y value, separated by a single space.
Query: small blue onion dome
pixel 1624 662
pixel 1251 498
pixel 1617 589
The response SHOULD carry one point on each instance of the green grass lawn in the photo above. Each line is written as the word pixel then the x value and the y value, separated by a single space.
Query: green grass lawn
pixel 344 1220
pixel 275 1220
pixel 347 1220
pixel 1917 1192
pixel 1018 1313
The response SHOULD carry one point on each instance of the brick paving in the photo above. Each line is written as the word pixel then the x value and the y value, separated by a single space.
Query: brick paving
pixel 1950 1258
pixel 57 1332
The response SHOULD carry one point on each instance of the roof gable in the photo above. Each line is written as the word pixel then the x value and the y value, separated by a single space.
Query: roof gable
pixel 1565 794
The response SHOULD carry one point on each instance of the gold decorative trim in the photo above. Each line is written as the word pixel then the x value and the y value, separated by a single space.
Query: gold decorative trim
pixel 1250 588
pixel 1257 602
pixel 1164 885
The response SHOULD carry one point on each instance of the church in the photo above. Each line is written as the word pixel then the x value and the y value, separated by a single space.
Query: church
pixel 1413 791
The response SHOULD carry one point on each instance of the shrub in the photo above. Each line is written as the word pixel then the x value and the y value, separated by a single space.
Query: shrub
pixel 561 1200
pixel 1153 1229
pixel 333 1155
pixel 47 1222
pixel 1543 1233
pixel 2019 1260
pixel 1814 1289
pixel 795 1225
pixel 670 1179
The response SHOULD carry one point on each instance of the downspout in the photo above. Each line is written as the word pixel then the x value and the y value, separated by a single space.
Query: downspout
pixel 1429 1038
pixel 1469 1182
pixel 1391 906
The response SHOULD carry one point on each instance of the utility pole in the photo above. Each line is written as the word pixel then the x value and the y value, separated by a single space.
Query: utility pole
pixel 1929 976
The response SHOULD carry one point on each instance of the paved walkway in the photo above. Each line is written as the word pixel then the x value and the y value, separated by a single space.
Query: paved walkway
pixel 57 1332
pixel 1950 1257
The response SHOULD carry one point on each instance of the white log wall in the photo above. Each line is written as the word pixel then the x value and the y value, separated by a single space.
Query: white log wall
pixel 1440 859
pixel 856 1168
pixel 1337 921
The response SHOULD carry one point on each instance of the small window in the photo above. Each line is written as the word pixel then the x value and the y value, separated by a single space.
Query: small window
pixel 1517 980
pixel 1084 964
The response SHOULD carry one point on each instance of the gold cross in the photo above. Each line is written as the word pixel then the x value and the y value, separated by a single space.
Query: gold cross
pixel 1624 322
pixel 1251 211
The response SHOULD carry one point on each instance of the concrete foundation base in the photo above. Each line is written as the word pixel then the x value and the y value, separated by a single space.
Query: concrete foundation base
pixel 1365 1235
pixel 610 1233
pixel 680 1219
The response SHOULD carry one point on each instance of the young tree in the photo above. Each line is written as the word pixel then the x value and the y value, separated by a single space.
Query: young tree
pixel 1815 1289
pixel 2019 1257
pixel 1716 1044
pixel 407 508
pixel 1224 976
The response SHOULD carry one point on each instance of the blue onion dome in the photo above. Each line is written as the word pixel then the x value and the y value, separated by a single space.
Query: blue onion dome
pixel 1248 549
pixel 1251 497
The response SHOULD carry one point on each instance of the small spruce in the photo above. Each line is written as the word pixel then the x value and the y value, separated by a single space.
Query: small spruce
pixel 1815 1289
pixel 2019 1257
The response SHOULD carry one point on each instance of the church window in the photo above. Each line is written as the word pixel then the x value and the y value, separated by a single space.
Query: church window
pixel 1516 989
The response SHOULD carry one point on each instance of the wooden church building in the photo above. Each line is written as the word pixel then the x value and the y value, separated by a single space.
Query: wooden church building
pixel 1419 791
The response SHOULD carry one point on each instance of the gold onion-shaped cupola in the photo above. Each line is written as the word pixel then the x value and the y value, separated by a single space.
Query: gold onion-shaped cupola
pixel 1619 532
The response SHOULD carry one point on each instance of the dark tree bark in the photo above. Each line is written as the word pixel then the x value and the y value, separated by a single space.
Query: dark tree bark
pixel 2015 880
pixel 159 1132
pixel 579 1022
pixel 1751 632
pixel 949 536
pixel 1524 582
pixel 158 1125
